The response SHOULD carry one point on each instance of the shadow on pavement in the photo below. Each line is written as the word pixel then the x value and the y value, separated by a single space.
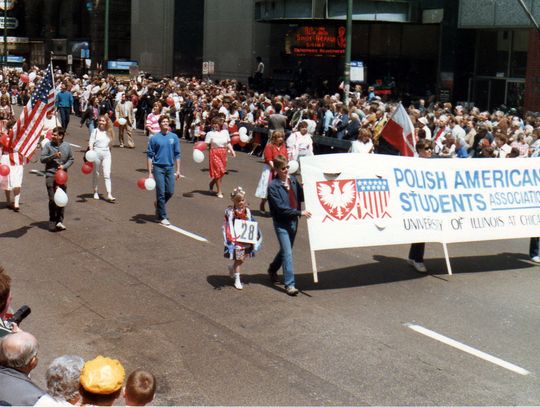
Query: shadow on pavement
pixel 385 270
pixel 41 225
pixel 14 234
pixel 142 218
pixel 84 197
pixel 191 194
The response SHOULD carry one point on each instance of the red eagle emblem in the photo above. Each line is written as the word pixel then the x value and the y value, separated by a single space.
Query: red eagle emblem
pixel 338 198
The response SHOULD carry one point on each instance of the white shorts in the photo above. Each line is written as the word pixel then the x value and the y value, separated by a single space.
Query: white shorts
pixel 15 176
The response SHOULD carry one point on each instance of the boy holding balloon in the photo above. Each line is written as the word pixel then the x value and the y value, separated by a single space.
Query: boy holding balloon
pixel 57 157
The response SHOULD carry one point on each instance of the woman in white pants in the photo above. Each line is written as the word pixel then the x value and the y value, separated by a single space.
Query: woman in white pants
pixel 99 142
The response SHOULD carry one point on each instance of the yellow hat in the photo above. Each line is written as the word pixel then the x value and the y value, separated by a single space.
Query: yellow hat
pixel 102 375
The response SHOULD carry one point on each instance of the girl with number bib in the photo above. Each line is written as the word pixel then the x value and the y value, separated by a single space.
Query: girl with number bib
pixel 235 250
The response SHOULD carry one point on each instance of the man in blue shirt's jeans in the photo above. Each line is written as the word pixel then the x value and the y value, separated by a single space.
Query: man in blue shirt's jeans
pixel 163 153
pixel 64 104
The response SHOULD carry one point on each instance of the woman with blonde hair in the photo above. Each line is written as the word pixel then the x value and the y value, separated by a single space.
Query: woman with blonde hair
pixel 99 142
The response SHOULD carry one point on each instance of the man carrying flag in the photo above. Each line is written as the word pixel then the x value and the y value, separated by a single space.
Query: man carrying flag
pixel 399 132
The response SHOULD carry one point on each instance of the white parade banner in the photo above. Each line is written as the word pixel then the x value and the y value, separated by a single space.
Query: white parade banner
pixel 360 200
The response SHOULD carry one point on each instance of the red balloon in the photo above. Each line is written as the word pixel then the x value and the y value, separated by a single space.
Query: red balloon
pixel 170 101
pixel 25 78
pixel 200 145
pixel 242 144
pixel 49 135
pixel 4 170
pixel 116 124
pixel 235 140
pixel 140 183
pixel 87 168
pixel 5 140
pixel 60 177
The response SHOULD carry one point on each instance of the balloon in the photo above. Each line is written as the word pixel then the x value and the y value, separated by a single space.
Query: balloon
pixel 91 156
pixel 140 183
pixel 170 101
pixel 5 140
pixel 244 138
pixel 116 124
pixel 60 197
pixel 198 156
pixel 293 166
pixel 242 144
pixel 200 145
pixel 122 121
pixel 60 177
pixel 4 170
pixel 87 168
pixel 235 140
pixel 242 130
pixel 149 184
pixel 32 76
pixel 24 78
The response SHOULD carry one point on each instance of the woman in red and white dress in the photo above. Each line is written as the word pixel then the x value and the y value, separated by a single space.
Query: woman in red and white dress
pixel 219 142
pixel 11 183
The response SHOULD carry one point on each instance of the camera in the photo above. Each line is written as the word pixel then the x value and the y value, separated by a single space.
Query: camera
pixel 6 326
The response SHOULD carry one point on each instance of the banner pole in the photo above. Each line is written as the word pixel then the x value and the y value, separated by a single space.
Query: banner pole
pixel 314 266
pixel 447 258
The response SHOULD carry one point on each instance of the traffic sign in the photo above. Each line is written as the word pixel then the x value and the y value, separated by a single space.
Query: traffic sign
pixel 12 23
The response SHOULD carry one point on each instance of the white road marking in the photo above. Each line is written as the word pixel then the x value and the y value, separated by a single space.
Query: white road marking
pixel 186 233
pixel 468 349
pixel 74 145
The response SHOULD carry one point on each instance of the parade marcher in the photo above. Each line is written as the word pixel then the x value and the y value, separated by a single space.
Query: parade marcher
pixel 6 112
pixel 275 146
pixel 152 125
pixel 219 143
pixel 300 143
pixel 235 250
pixel 363 144
pixel 49 124
pixel 64 104
pixel 124 110
pixel 285 197
pixel 100 143
pixel 416 252
pixel 11 183
pixel 56 155
pixel 163 154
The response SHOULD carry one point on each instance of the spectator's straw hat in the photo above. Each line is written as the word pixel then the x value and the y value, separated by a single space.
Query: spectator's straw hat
pixel 102 375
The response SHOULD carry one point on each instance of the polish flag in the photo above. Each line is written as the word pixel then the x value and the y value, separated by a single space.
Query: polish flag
pixel 399 132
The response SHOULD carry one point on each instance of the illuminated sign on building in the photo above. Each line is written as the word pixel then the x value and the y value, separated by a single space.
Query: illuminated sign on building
pixel 316 41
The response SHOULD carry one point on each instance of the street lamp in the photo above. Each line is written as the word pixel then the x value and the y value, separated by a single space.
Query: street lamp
pixel 5 33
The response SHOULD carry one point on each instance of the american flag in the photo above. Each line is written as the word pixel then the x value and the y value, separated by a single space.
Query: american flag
pixel 27 130
pixel 374 195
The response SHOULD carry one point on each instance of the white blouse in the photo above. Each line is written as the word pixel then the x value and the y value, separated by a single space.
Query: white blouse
pixel 99 139
pixel 217 139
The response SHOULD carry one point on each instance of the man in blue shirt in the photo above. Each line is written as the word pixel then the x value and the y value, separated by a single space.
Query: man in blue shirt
pixel 64 104
pixel 163 152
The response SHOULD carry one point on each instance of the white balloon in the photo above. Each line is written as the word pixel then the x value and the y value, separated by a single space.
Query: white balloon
pixel 122 121
pixel 60 197
pixel 149 184
pixel 241 131
pixel 96 89
pixel 198 156
pixel 32 76
pixel 293 166
pixel 244 138
pixel 91 156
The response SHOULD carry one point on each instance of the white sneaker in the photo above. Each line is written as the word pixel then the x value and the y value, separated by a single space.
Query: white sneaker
pixel 96 195
pixel 418 266
pixel 237 283
pixel 165 222
pixel 60 226
pixel 111 198
pixel 535 259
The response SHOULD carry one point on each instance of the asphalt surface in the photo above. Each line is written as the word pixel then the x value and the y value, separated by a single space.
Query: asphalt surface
pixel 117 283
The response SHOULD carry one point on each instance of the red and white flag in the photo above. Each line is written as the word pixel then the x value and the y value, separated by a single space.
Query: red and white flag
pixel 399 132
pixel 28 128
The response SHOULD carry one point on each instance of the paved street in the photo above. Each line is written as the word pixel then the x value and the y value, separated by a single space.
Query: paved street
pixel 117 283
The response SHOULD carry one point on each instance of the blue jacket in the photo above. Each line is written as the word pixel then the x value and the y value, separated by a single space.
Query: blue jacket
pixel 64 99
pixel 163 149
pixel 278 199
